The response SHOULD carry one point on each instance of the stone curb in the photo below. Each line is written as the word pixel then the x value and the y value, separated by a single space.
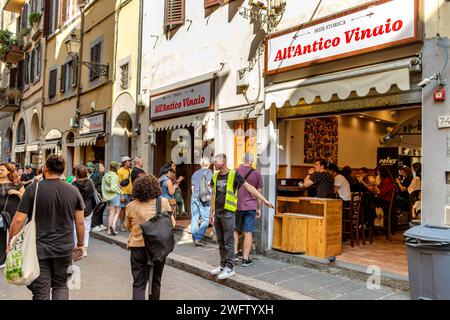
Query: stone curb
pixel 253 287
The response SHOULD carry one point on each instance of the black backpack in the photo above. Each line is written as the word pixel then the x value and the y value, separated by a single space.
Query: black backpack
pixel 158 235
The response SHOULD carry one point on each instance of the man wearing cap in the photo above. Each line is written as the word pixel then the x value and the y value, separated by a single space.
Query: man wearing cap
pixel 90 168
pixel 127 188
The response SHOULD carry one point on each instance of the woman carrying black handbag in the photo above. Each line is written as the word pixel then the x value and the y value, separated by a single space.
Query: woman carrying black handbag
pixel 11 191
pixel 145 192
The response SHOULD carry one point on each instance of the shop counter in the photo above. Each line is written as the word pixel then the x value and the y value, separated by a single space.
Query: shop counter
pixel 310 226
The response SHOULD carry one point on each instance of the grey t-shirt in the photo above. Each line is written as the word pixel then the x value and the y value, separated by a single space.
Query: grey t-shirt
pixel 56 205
pixel 197 178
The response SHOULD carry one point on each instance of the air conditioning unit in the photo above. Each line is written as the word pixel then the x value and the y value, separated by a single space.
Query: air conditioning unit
pixel 262 4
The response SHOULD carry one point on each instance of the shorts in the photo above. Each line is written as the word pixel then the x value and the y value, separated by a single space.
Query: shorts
pixel 115 202
pixel 127 198
pixel 246 221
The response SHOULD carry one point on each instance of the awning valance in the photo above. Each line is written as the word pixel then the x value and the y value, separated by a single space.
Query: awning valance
pixel 204 119
pixel 381 77
pixel 49 146
pixel 85 141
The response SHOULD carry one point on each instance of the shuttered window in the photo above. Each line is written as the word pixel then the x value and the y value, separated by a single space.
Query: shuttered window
pixel 64 11
pixel 62 82
pixel 52 83
pixel 38 61
pixel 96 56
pixel 124 76
pixel 33 66
pixel 174 13
pixel 48 15
pixel 24 17
pixel 20 74
pixel 74 74
pixel 26 71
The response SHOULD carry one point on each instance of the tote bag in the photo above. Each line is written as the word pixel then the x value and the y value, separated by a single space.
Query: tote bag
pixel 22 264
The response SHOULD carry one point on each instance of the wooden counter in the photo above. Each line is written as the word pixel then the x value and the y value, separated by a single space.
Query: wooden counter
pixel 312 226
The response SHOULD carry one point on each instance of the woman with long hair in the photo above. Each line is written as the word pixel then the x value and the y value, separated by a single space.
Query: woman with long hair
pixel 111 192
pixel 97 177
pixel 146 191
pixel 86 188
pixel 11 192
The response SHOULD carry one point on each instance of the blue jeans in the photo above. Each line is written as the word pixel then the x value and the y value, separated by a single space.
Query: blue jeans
pixel 202 211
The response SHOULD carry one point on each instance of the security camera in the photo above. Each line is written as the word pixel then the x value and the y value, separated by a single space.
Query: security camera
pixel 427 81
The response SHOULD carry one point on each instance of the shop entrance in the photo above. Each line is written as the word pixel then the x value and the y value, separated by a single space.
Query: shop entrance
pixel 357 140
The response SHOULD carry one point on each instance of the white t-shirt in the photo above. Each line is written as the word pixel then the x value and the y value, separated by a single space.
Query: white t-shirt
pixel 415 185
pixel 343 187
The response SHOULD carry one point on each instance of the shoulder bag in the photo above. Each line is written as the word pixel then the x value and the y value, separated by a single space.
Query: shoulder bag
pixel 22 264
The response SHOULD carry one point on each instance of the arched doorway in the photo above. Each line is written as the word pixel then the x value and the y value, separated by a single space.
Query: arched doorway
pixel 20 140
pixel 122 136
pixel 7 145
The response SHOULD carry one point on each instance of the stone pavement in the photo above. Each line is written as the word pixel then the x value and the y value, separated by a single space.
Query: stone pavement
pixel 269 278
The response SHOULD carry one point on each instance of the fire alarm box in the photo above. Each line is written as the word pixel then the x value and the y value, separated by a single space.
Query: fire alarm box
pixel 439 94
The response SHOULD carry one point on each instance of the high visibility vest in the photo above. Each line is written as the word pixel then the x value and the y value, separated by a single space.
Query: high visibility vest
pixel 231 195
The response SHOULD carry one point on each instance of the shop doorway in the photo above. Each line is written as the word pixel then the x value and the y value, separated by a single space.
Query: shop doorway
pixel 355 140
pixel 122 137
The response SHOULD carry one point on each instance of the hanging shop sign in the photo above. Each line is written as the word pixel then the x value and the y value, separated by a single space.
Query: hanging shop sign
pixel 187 100
pixel 92 124
pixel 375 26
pixel 19 149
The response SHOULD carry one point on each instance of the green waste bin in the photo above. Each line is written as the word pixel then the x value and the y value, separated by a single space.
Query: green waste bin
pixel 428 262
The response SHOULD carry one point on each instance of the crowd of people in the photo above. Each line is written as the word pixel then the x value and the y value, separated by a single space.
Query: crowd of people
pixel 332 182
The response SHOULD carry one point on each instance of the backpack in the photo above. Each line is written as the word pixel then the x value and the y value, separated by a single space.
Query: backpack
pixel 158 235
pixel 204 193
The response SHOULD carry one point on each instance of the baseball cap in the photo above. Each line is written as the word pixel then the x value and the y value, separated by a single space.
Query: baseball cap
pixel 126 158
pixel 90 165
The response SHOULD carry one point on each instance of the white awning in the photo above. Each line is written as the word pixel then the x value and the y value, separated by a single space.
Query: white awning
pixel 85 141
pixel 204 119
pixel 49 146
pixel 361 80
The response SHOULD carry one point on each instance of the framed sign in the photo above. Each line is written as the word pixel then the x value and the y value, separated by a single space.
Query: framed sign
pixel 187 100
pixel 92 124
pixel 372 27
pixel 388 157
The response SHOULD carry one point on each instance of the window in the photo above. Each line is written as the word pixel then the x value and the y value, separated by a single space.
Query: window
pixel 52 83
pixel 64 12
pixel 96 55
pixel 21 132
pixel 26 69
pixel 174 13
pixel 62 83
pixel 124 76
pixel 51 16
pixel 38 61
pixel 74 72
pixel 32 66
pixel 24 16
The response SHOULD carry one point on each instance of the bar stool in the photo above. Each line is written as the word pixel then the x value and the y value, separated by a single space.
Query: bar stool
pixel 350 218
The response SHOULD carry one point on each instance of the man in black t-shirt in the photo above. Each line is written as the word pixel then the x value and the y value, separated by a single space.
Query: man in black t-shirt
pixel 58 207
pixel 137 169
pixel 225 208
pixel 322 179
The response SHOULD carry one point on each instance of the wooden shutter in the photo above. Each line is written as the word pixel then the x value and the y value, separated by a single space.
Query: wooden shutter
pixel 96 54
pixel 62 83
pixel 251 140
pixel 26 71
pixel 12 77
pixel 38 61
pixel 239 142
pixel 20 74
pixel 64 11
pixel 48 14
pixel 174 13
pixel 52 83
pixel 24 17
pixel 74 74
pixel 32 65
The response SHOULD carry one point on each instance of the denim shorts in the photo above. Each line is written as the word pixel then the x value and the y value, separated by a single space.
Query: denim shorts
pixel 115 202
pixel 246 221
pixel 127 198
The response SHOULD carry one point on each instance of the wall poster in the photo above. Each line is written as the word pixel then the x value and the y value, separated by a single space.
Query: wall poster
pixel 321 139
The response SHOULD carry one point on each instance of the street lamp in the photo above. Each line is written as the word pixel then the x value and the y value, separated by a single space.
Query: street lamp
pixel 73 46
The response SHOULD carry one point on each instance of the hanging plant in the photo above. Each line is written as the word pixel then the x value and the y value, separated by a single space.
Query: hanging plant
pixel 5 38
pixel 35 18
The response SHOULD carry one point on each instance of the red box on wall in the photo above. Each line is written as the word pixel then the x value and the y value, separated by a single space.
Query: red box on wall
pixel 439 94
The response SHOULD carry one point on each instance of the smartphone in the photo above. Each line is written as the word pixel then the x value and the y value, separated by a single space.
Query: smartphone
pixel 77 254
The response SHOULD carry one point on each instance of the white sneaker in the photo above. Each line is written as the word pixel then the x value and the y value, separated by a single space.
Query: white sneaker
pixel 103 227
pixel 2 266
pixel 84 252
pixel 226 273
pixel 97 229
pixel 217 270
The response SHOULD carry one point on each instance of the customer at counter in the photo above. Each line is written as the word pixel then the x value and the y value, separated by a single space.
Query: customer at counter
pixel 341 185
pixel 322 179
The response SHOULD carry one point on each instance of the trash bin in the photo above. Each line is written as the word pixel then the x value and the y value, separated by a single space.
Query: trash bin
pixel 428 262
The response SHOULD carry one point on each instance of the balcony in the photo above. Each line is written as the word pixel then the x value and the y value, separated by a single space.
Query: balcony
pixel 14 6
pixel 10 100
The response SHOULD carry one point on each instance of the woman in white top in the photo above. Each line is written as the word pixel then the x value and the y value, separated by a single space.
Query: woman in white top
pixel 416 183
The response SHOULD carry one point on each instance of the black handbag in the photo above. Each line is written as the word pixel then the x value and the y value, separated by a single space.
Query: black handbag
pixel 126 181
pixel 5 217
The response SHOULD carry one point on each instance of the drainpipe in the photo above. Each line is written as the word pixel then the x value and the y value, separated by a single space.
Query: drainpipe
pixel 79 67
pixel 139 66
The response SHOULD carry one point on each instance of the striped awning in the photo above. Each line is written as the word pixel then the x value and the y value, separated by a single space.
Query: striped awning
pixel 85 141
pixel 49 146
pixel 183 122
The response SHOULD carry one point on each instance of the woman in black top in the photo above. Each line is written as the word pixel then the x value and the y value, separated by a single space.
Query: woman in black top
pixel 97 177
pixel 86 188
pixel 11 191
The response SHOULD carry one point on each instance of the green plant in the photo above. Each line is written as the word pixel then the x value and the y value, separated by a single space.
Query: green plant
pixel 5 38
pixel 16 44
pixel 25 32
pixel 3 51
pixel 35 17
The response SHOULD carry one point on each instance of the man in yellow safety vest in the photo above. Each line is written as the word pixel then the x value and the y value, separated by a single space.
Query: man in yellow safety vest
pixel 226 183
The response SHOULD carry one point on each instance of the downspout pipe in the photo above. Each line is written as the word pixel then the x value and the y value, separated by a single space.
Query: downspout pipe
pixel 139 66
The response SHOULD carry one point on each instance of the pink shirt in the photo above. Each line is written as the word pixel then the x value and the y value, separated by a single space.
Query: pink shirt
pixel 246 202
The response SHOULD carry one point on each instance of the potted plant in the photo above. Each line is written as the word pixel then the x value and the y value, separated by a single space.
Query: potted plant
pixel 35 18
pixel 5 37
pixel 16 45
pixel 13 94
